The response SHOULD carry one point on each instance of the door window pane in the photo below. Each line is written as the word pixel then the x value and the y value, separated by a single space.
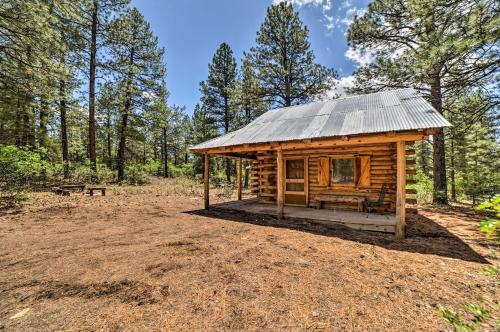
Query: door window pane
pixel 295 187
pixel 343 171
pixel 295 168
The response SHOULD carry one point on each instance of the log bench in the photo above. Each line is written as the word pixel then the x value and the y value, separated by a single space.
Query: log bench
pixel 102 189
pixel 320 199
pixel 60 191
pixel 80 187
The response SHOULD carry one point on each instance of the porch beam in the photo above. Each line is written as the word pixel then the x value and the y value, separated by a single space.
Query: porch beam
pixel 280 186
pixel 206 179
pixel 330 142
pixel 400 189
pixel 238 162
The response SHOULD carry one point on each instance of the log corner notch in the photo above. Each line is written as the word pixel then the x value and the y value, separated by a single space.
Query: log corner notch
pixel 400 189
pixel 280 184
pixel 238 178
pixel 206 181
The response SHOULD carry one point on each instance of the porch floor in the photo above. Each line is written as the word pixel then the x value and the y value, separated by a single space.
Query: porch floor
pixel 353 219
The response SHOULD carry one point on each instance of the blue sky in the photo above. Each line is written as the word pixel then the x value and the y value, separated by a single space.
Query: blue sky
pixel 191 31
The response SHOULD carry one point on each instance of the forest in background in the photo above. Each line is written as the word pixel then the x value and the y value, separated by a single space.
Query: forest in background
pixel 84 99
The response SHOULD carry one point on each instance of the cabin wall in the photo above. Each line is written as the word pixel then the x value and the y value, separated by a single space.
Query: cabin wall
pixel 382 170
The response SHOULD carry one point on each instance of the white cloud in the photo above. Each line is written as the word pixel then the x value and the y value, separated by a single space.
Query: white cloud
pixel 345 4
pixel 326 6
pixel 330 22
pixel 339 87
pixel 301 3
pixel 362 57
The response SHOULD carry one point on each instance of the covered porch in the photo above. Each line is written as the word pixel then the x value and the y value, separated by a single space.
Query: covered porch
pixel 387 153
pixel 352 219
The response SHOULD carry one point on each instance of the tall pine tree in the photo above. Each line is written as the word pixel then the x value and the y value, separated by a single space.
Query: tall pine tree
pixel 284 62
pixel 217 91
pixel 438 46
pixel 137 61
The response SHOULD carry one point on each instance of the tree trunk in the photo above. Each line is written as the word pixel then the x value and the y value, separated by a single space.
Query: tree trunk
pixel 165 154
pixel 452 171
pixel 64 131
pixel 439 167
pixel 123 141
pixel 42 129
pixel 18 124
pixel 28 129
pixel 92 125
pixel 108 140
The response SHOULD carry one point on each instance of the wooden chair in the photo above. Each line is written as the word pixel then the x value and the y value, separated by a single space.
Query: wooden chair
pixel 370 206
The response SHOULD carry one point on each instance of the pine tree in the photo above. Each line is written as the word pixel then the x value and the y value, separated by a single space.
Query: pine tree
pixel 217 92
pixel 472 148
pixel 440 47
pixel 247 96
pixel 284 62
pixel 137 61
pixel 203 129
pixel 97 14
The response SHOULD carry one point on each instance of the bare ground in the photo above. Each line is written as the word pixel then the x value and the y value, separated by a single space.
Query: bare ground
pixel 149 258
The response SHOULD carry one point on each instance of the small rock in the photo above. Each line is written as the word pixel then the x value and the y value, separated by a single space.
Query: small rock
pixel 315 314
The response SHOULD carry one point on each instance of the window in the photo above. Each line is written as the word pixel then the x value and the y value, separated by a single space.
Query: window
pixel 342 171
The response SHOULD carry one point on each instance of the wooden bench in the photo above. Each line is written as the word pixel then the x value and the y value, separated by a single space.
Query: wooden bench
pixel 102 189
pixel 320 199
pixel 80 187
pixel 60 191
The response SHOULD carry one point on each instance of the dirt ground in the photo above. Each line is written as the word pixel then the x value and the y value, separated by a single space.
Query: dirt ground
pixel 148 258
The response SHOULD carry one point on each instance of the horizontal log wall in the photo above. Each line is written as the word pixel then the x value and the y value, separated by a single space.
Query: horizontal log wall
pixel 382 171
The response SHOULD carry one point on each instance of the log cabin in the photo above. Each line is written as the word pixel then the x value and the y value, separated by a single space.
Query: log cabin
pixel 345 160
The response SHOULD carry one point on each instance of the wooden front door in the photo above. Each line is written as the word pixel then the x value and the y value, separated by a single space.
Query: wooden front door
pixel 296 181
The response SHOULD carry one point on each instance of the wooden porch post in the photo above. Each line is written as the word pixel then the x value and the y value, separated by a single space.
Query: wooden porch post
pixel 239 178
pixel 400 189
pixel 206 179
pixel 280 184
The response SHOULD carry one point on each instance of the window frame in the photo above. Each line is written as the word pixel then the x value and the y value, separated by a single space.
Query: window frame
pixel 355 171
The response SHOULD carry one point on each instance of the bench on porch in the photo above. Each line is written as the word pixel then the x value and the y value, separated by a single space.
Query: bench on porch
pixel 320 199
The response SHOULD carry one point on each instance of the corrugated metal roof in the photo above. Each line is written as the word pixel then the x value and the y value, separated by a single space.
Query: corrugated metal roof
pixel 394 110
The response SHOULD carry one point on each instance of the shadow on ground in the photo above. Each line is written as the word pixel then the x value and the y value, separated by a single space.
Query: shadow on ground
pixel 424 236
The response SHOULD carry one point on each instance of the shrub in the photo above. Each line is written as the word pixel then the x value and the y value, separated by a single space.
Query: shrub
pixel 20 168
pixel 82 173
pixel 424 187
pixel 184 170
pixel 490 226
pixel 136 174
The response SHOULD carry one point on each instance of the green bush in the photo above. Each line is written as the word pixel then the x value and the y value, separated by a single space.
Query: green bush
pixel 20 168
pixel 490 226
pixel 82 173
pixel 184 170
pixel 424 187
pixel 136 174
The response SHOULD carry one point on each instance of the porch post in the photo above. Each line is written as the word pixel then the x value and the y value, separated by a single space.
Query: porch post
pixel 400 189
pixel 239 178
pixel 206 179
pixel 280 182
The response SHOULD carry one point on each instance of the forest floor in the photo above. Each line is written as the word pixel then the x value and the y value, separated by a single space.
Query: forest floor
pixel 148 258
